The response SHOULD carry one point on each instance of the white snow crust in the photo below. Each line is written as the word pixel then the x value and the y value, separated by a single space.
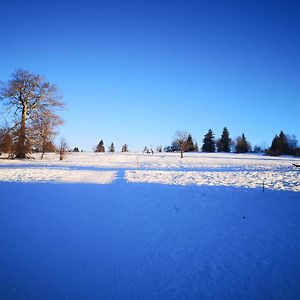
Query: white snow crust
pixel 287 181
pixel 212 169
pixel 56 175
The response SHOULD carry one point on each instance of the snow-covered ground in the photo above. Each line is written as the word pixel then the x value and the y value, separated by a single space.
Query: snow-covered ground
pixel 289 181
pixel 161 160
pixel 213 226
pixel 56 175
pixel 217 169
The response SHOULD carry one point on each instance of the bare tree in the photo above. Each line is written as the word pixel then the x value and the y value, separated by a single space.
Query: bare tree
pixel 45 125
pixel 62 148
pixel 181 137
pixel 27 95
pixel 6 141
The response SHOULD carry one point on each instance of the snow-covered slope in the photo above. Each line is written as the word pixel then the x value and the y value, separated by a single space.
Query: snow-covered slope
pixel 289 181
pixel 219 169
pixel 161 160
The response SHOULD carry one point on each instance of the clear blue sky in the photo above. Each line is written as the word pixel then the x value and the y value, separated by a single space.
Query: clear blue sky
pixel 136 71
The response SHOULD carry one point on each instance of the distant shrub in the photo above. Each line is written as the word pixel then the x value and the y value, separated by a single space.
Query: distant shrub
pixel 111 148
pixel 100 147
pixel 125 148
pixel 297 152
pixel 63 147
pixel 242 145
pixel 257 149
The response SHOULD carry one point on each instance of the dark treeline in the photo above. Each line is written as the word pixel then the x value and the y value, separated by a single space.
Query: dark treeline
pixel 101 148
pixel 183 141
pixel 282 144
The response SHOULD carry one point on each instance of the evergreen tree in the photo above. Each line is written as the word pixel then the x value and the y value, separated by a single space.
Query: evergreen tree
pixel 209 144
pixel 196 147
pixel 100 147
pixel 111 147
pixel 125 148
pixel 281 145
pixel 274 149
pixel 189 144
pixel 76 149
pixel 223 144
pixel 242 145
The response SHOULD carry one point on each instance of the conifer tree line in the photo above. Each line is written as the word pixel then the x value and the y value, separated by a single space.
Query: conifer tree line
pixel 183 142
pixel 282 144
pixel 101 148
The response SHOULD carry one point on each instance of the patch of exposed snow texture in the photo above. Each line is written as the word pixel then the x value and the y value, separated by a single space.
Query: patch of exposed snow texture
pixel 56 175
pixel 288 181
pixel 162 160
pixel 222 169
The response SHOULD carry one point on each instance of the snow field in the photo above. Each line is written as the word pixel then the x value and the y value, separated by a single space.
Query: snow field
pixel 287 181
pixel 161 160
pixel 56 175
pixel 212 169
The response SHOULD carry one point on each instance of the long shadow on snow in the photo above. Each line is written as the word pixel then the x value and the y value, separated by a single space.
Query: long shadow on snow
pixel 147 241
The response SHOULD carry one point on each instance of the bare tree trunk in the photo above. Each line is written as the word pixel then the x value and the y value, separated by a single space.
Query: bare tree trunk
pixel 181 151
pixel 62 149
pixel 43 147
pixel 21 151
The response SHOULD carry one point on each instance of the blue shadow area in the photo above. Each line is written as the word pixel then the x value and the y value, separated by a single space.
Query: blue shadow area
pixel 147 241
